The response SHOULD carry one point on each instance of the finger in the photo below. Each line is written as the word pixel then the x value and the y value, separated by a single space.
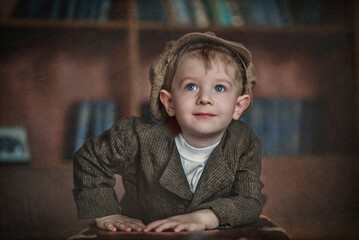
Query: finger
pixel 166 226
pixel 190 227
pixel 154 224
pixel 106 226
pixel 135 225
pixel 138 223
pixel 181 227
pixel 110 227
pixel 123 227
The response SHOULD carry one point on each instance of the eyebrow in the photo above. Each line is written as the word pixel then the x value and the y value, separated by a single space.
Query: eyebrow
pixel 187 78
pixel 224 80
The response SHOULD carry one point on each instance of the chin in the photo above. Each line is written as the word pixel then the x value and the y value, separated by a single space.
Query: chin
pixel 208 134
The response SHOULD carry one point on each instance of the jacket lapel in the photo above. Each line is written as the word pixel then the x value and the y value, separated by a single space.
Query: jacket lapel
pixel 216 175
pixel 174 178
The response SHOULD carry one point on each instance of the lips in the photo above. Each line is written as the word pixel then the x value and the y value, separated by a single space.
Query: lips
pixel 204 115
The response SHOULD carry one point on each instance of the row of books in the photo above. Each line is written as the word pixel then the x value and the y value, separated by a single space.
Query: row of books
pixel 288 126
pixel 186 12
pixel 98 10
pixel 93 118
pixel 236 12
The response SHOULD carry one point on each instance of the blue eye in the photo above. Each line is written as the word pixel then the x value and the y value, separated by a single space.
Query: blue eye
pixel 191 87
pixel 219 88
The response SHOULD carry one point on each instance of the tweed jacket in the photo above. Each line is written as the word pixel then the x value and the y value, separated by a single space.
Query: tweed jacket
pixel 156 187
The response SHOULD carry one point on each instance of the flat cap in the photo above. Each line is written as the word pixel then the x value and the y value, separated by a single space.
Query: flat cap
pixel 162 69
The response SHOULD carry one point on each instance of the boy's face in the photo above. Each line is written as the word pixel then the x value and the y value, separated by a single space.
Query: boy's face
pixel 203 101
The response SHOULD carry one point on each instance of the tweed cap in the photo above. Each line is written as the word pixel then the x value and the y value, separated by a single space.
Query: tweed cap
pixel 163 68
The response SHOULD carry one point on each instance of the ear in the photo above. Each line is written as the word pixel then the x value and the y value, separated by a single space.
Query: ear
pixel 166 99
pixel 242 104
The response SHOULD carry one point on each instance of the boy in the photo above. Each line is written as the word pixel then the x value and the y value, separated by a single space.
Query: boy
pixel 196 168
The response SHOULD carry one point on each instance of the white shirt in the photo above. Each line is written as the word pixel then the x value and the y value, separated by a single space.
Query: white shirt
pixel 193 160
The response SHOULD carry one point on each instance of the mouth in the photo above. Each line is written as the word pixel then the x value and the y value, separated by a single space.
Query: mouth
pixel 204 115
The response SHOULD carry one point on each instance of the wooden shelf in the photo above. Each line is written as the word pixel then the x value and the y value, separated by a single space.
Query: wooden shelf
pixel 170 27
pixel 35 166
pixel 289 29
pixel 76 24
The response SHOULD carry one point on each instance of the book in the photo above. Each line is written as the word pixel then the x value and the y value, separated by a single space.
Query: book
pixel 109 114
pixel 55 9
pixel 35 8
pixel 208 8
pixel 93 118
pixel 255 13
pixel 255 117
pixel 184 11
pixel 83 123
pixel 119 10
pixel 45 10
pixel 70 9
pixel 290 126
pixel 104 7
pixel 96 112
pixel 200 16
pixel 237 14
pixel 94 9
pixel 171 11
pixel 273 16
pixel 223 14
pixel 82 9
pixel 285 12
pixel 308 12
pixel 103 116
pixel 271 136
pixel 151 10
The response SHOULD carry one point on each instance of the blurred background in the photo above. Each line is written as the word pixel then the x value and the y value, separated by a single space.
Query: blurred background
pixel 69 69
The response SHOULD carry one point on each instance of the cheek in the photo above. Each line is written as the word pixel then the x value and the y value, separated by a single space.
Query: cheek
pixel 226 102
pixel 186 98
pixel 227 109
pixel 182 106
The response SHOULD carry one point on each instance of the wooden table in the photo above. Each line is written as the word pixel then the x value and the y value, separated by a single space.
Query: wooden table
pixel 264 228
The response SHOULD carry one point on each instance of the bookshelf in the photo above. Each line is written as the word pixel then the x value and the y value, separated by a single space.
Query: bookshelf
pixel 48 65
pixel 356 49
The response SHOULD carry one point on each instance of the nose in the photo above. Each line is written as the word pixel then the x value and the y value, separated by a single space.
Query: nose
pixel 204 98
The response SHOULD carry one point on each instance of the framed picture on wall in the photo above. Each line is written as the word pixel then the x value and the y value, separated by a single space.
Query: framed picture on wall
pixel 14 146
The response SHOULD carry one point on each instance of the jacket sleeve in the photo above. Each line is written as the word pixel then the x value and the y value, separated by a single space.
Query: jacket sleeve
pixel 94 166
pixel 244 204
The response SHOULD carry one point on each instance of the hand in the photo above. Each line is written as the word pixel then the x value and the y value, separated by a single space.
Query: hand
pixel 120 222
pixel 195 221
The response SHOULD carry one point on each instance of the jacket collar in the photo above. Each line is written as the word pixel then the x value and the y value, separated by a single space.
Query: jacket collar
pixel 173 178
pixel 215 176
